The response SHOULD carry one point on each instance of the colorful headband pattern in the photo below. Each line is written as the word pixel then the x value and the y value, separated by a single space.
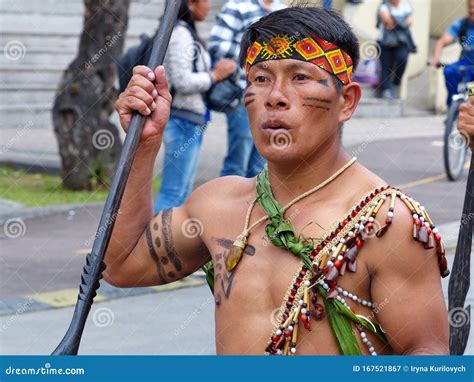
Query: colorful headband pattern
pixel 314 50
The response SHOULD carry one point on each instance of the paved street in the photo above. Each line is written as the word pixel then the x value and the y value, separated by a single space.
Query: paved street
pixel 50 255
pixel 178 322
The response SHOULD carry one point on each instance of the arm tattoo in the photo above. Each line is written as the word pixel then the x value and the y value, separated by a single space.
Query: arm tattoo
pixel 168 239
pixel 154 255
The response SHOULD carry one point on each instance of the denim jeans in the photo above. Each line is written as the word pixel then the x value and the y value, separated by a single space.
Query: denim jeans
pixel 453 77
pixel 182 140
pixel 242 157
pixel 394 62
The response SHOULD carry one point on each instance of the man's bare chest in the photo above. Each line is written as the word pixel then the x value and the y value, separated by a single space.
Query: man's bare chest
pixel 265 271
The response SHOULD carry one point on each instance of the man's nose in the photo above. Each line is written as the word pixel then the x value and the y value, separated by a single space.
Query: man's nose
pixel 277 99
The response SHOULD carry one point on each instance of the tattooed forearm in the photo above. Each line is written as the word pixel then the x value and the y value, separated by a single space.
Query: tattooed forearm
pixel 154 255
pixel 168 239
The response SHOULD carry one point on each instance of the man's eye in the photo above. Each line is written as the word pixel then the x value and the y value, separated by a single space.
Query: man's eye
pixel 301 77
pixel 260 79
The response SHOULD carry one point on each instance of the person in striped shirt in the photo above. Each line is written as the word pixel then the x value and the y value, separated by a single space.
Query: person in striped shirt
pixel 242 157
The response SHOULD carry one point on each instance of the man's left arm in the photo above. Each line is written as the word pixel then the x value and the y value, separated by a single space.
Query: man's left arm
pixel 406 277
pixel 466 121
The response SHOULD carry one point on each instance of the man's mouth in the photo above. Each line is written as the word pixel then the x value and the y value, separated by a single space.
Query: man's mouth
pixel 274 125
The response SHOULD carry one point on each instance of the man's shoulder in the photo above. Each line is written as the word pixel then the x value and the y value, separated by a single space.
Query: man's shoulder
pixel 455 28
pixel 222 191
pixel 402 234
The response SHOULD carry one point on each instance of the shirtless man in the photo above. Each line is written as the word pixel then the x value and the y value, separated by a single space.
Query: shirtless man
pixel 297 102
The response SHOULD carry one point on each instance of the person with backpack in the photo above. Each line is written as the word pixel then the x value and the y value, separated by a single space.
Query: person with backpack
pixel 461 31
pixel 242 157
pixel 396 43
pixel 187 64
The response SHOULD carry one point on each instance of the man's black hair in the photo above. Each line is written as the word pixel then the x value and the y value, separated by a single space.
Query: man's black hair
pixel 301 22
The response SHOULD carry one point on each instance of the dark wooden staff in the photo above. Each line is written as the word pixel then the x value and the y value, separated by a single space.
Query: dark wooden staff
pixel 460 274
pixel 92 271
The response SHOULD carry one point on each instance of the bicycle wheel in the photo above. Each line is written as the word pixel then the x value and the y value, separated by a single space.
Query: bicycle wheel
pixel 455 145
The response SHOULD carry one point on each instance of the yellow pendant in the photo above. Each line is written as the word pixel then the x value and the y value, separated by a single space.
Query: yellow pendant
pixel 235 253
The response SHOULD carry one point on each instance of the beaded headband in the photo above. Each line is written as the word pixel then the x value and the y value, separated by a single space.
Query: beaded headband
pixel 313 49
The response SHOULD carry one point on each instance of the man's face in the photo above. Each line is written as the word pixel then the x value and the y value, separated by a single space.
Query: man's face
pixel 294 109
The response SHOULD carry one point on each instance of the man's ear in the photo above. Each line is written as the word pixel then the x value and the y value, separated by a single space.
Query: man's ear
pixel 350 94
